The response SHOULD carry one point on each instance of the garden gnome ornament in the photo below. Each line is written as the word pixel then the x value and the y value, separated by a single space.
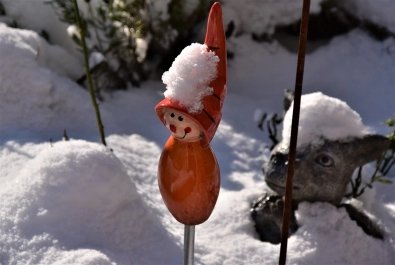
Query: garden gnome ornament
pixel 188 171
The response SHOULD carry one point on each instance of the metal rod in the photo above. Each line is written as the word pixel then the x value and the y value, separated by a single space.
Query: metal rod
pixel 294 130
pixel 189 244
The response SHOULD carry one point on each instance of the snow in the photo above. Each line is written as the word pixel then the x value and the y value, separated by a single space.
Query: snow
pixel 77 202
pixel 188 79
pixel 263 16
pixel 380 12
pixel 95 58
pixel 357 70
pixel 73 30
pixel 26 14
pixel 42 83
pixel 31 44
pixel 323 117
pixel 320 221
pixel 49 208
pixel 141 49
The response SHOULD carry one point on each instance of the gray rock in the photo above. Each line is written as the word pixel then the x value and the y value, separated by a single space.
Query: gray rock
pixel 322 172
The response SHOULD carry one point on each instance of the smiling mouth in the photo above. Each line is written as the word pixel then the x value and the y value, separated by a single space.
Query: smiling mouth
pixel 180 138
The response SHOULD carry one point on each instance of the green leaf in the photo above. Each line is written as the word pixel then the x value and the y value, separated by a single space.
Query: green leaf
pixel 385 181
pixel 375 178
pixel 390 122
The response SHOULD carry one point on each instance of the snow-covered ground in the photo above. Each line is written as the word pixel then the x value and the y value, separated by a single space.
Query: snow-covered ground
pixel 77 202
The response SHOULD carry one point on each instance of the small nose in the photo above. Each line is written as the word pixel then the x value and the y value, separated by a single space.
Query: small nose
pixel 173 128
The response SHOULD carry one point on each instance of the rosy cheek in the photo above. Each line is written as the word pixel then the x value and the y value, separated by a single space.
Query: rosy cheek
pixel 188 129
pixel 173 128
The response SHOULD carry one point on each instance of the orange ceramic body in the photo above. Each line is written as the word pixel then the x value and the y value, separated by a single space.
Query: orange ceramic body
pixel 188 172
pixel 189 180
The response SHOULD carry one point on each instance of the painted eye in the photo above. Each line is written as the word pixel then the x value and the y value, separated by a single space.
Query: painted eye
pixel 172 115
pixel 324 160
pixel 180 118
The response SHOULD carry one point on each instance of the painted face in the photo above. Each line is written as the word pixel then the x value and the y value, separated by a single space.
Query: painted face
pixel 181 126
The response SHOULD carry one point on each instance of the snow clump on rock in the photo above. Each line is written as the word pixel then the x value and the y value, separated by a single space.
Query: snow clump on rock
pixel 321 117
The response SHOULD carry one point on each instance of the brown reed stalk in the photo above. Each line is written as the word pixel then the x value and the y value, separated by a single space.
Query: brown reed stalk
pixel 88 74
pixel 294 130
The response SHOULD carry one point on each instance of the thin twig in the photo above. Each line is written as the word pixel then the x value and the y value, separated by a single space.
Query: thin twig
pixel 382 158
pixel 388 168
pixel 374 177
pixel 294 130
pixel 358 182
pixel 88 75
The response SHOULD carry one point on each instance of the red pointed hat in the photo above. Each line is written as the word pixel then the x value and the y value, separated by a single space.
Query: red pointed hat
pixel 210 116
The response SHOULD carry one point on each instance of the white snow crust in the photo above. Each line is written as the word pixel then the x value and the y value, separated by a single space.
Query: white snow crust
pixel 95 58
pixel 323 117
pixel 38 16
pixel 380 12
pixel 73 193
pixel 261 17
pixel 39 75
pixel 189 77
pixel 320 221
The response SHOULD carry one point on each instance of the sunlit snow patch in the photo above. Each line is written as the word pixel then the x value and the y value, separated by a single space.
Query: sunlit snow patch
pixel 326 117
pixel 77 195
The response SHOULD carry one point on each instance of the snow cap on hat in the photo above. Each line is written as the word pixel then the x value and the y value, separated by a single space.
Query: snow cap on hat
pixel 188 79
pixel 196 82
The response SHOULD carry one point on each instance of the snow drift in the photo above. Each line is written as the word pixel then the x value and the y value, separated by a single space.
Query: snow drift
pixel 72 195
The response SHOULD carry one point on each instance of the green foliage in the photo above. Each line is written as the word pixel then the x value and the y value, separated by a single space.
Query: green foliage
pixel 122 24
pixel 184 22
pixel 65 11
pixel 388 159
pixel 390 122
pixel 383 166
pixel 119 29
